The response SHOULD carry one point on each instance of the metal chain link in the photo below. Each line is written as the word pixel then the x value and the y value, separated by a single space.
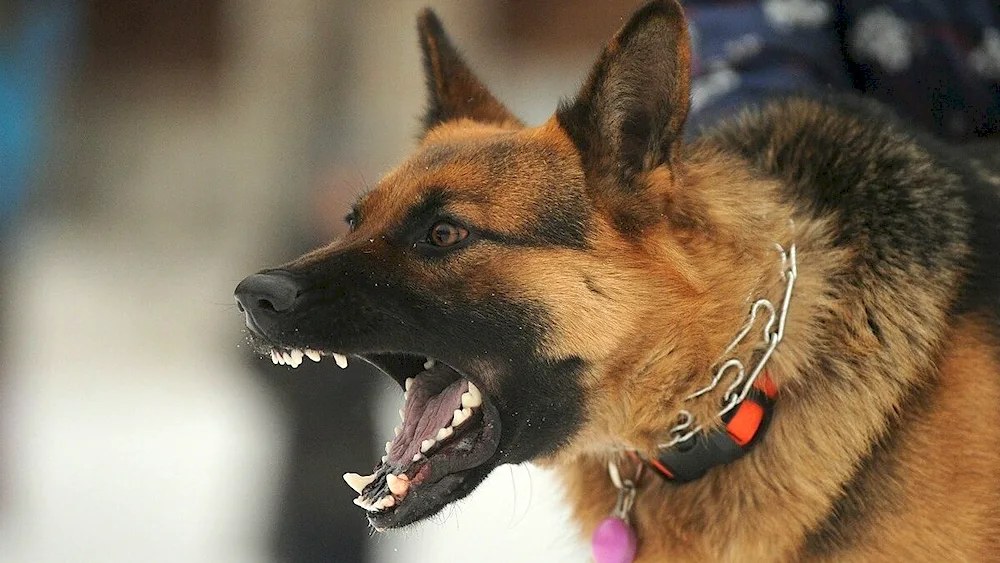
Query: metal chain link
pixel 686 427
pixel 627 489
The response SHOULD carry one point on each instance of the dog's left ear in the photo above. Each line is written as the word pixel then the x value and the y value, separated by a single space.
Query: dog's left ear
pixel 453 90
pixel 629 116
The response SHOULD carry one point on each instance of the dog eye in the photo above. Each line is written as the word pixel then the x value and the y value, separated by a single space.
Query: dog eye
pixel 444 233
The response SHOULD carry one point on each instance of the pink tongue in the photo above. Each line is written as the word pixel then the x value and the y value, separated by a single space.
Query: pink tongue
pixel 431 405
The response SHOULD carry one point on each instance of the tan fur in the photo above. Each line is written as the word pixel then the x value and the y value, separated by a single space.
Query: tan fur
pixel 949 488
pixel 679 295
pixel 823 429
pixel 884 443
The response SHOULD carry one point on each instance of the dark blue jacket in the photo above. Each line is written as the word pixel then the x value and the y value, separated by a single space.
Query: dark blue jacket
pixel 936 62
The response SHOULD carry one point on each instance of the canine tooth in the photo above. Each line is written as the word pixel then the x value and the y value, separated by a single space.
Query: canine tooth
pixel 402 415
pixel 340 359
pixel 444 433
pixel 429 363
pixel 460 416
pixel 417 457
pixel 397 484
pixel 287 358
pixel 397 430
pixel 388 447
pixel 427 444
pixel 477 395
pixel 312 355
pixel 409 383
pixel 358 482
pixel 406 396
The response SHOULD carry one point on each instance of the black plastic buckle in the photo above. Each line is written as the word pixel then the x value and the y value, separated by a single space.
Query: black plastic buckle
pixel 689 460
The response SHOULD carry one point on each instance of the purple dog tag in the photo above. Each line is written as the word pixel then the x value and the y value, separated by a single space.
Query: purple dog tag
pixel 613 542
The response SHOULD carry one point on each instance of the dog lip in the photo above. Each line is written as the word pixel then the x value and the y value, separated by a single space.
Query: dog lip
pixel 423 502
pixel 449 461
pixel 429 490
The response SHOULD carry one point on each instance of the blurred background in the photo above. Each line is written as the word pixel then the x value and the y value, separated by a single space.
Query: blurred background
pixel 151 155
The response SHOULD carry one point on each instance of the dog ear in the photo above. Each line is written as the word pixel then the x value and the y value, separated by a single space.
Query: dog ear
pixel 629 116
pixel 453 90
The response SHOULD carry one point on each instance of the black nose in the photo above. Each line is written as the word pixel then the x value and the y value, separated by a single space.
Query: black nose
pixel 262 295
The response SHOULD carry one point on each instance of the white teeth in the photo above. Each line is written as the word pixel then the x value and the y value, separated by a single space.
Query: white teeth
pixel 274 356
pixel 409 383
pixel 472 397
pixel 358 482
pixel 418 457
pixel 477 395
pixel 340 359
pixel 427 444
pixel 286 358
pixel 385 458
pixel 406 396
pixel 385 502
pixel 444 433
pixel 388 447
pixel 398 485
pixel 429 363
pixel 364 504
pixel 402 415
pixel 296 357
pixel 397 430
pixel 460 416
pixel 312 355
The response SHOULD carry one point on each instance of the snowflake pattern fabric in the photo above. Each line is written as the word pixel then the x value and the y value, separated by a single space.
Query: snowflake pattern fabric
pixel 935 61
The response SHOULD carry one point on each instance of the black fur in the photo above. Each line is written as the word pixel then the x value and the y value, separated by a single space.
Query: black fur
pixel 362 298
pixel 898 196
pixel 453 90
pixel 893 199
pixel 629 115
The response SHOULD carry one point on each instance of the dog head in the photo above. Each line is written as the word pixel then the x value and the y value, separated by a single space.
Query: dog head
pixel 503 274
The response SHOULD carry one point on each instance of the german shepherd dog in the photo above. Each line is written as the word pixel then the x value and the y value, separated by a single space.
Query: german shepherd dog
pixel 776 342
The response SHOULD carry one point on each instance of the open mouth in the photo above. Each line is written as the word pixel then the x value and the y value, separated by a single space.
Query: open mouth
pixel 449 430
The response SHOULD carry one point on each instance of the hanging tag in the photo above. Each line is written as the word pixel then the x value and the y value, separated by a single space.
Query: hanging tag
pixel 614 540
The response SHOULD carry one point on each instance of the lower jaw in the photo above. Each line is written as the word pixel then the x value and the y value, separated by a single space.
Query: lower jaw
pixel 435 481
pixel 416 508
